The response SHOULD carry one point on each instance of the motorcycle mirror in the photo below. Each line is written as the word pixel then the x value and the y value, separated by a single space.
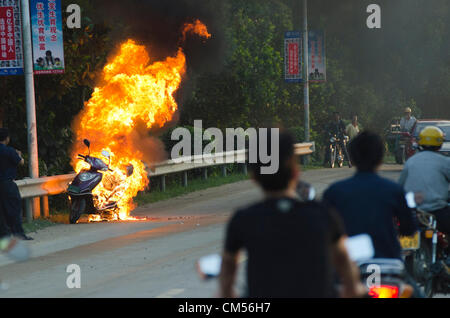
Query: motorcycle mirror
pixel 410 200
pixel 209 266
pixel 360 247
pixel 106 154
pixel 312 194
pixel 87 143
pixel 305 191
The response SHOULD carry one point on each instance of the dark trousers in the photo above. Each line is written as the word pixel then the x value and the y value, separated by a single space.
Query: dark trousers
pixel 11 205
pixel 4 230
pixel 443 220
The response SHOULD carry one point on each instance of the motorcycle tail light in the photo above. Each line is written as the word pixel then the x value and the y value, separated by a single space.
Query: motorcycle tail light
pixel 429 234
pixel 383 291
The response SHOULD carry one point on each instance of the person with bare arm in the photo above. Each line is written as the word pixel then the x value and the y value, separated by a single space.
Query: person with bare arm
pixel 293 247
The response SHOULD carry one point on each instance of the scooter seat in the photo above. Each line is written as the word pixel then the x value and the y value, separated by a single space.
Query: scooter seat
pixel 388 266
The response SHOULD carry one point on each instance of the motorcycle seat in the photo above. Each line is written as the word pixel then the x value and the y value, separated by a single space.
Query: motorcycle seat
pixel 388 266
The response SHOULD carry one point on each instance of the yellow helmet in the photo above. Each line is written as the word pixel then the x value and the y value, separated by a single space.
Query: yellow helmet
pixel 431 136
pixel 408 110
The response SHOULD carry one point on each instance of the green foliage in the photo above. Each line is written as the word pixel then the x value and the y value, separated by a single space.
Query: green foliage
pixel 58 97
pixel 250 91
pixel 372 73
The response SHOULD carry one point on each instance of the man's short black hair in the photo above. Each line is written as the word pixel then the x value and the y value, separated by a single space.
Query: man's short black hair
pixel 280 180
pixel 366 151
pixel 4 133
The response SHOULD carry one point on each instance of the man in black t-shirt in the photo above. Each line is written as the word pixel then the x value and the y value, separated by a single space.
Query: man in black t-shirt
pixel 291 245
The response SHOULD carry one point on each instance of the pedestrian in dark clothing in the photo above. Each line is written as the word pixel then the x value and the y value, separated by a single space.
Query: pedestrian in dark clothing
pixel 10 200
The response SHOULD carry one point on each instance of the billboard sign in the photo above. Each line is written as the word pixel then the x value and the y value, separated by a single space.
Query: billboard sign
pixel 293 57
pixel 11 54
pixel 47 36
pixel 316 57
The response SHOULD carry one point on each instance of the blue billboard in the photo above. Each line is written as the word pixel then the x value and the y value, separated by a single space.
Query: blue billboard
pixel 47 36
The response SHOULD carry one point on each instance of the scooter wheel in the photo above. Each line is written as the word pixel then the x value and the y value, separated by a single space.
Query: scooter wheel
pixel 332 158
pixel 77 208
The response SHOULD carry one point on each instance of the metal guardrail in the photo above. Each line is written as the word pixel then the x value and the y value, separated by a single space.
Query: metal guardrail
pixel 30 188
pixel 45 186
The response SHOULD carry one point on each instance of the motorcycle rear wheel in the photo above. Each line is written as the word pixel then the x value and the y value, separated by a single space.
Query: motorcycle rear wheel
pixel 341 160
pixel 419 266
pixel 77 208
pixel 332 157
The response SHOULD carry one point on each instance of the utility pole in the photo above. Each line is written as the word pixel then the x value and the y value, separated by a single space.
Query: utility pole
pixel 31 105
pixel 305 74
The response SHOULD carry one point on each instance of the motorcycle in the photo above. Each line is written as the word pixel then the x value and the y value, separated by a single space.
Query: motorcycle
pixel 404 148
pixel 305 192
pixel 80 189
pixel 392 278
pixel 336 151
pixel 383 277
pixel 426 254
pixel 401 142
pixel 391 284
pixel 389 279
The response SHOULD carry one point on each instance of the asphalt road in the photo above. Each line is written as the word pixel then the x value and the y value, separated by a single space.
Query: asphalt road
pixel 153 258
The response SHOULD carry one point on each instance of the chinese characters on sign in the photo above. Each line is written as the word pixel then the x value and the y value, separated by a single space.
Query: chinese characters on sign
pixel 11 58
pixel 293 67
pixel 46 26
pixel 293 57
pixel 316 47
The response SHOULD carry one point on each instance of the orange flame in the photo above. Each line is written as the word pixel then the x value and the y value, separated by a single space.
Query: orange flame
pixel 133 90
pixel 197 28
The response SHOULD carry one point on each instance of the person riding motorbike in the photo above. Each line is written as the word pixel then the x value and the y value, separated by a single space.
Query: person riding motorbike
pixel 337 128
pixel 368 203
pixel 408 122
pixel 428 173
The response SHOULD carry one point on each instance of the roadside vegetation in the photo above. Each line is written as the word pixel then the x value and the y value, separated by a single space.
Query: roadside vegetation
pixel 374 74
pixel 236 79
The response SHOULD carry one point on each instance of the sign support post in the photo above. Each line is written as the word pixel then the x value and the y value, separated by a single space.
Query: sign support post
pixel 30 100
pixel 305 75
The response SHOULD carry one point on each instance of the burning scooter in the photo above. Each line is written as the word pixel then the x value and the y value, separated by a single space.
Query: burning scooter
pixel 81 189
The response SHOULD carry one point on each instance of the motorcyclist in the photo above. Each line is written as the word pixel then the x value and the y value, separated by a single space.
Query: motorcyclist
pixel 337 128
pixel 428 173
pixel 368 203
pixel 407 122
